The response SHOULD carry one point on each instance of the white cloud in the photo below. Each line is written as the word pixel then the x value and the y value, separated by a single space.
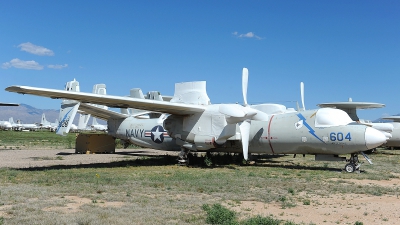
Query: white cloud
pixel 20 64
pixel 36 50
pixel 59 67
pixel 247 35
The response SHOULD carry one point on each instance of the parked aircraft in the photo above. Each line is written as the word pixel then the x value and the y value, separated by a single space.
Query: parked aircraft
pixel 394 142
pixel 98 127
pixel 5 125
pixel 48 125
pixel 194 124
pixel 18 126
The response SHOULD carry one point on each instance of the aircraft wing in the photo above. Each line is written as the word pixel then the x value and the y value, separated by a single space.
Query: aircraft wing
pixel 101 113
pixel 394 118
pixel 111 101
pixel 351 105
pixel 8 104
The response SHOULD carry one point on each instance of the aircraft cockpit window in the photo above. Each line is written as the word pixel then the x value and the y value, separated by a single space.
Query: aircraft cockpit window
pixel 328 117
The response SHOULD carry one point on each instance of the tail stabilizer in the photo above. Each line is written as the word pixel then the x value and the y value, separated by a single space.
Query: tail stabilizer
pixel 83 121
pixel 94 121
pixel 154 95
pixel 101 90
pixel 67 114
pixel 44 121
pixel 134 93
pixel 72 86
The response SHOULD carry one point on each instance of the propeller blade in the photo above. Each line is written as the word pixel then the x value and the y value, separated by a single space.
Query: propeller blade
pixel 245 133
pixel 245 80
pixel 302 95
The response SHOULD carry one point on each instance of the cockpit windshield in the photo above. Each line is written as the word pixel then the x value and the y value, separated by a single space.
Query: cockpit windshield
pixel 328 117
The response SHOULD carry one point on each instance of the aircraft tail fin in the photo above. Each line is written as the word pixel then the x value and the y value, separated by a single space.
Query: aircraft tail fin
pixel 101 90
pixel 11 120
pixel 67 114
pixel 154 95
pixel 83 121
pixel 94 121
pixel 134 93
pixel 44 120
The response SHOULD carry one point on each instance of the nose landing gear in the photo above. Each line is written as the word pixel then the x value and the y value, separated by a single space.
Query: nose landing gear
pixel 354 164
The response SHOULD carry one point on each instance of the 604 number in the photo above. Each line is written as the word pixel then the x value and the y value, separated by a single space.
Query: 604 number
pixel 339 136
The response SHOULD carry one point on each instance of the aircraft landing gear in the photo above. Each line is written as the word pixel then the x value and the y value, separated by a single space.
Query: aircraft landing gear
pixel 353 165
pixel 183 158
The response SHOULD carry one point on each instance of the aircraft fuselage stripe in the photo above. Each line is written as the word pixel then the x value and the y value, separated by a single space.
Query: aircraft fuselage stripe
pixel 269 134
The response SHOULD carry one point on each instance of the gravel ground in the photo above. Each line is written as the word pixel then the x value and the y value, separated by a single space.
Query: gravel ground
pixel 52 157
pixel 334 209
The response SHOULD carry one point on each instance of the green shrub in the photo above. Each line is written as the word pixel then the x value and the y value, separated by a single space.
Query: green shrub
pixel 217 214
pixel 258 220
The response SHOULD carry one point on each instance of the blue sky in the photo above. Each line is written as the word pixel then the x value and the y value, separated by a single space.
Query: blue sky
pixel 339 49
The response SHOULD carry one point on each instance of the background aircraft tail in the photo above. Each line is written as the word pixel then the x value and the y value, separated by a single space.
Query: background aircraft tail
pixel 44 122
pixel 83 121
pixel 94 121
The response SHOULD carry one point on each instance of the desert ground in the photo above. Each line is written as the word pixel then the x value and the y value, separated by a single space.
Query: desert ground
pixel 302 207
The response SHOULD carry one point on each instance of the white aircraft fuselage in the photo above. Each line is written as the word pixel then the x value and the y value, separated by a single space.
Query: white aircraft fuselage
pixel 320 131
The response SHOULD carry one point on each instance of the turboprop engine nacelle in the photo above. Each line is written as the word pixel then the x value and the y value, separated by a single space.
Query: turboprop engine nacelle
pixel 201 139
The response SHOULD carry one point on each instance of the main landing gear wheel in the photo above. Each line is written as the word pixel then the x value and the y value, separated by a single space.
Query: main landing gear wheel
pixel 183 158
pixel 350 168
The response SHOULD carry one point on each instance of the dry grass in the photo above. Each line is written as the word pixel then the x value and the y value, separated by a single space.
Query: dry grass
pixel 152 190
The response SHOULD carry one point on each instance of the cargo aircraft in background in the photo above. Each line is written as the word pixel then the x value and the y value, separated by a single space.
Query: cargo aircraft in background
pixel 18 126
pixel 394 142
pixel 191 123
pixel 48 125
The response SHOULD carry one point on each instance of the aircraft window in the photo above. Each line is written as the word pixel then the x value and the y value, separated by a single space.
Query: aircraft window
pixel 328 117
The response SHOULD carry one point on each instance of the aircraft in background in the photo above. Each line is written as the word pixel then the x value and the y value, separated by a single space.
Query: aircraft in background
pixel 18 126
pixel 351 107
pixel 98 127
pixel 394 142
pixel 5 125
pixel 48 125
pixel 194 124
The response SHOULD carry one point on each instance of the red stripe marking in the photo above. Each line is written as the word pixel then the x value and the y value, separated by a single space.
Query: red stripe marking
pixel 269 134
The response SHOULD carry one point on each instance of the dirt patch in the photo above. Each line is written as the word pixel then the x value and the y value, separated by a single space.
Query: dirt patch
pixel 335 209
pixel 383 183
pixel 76 202
pixel 54 157
pixel 3 211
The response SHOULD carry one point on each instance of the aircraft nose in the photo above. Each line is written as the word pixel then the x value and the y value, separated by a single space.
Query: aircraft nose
pixel 374 138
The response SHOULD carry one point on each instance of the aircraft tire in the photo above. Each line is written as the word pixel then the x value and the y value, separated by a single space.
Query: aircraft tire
pixel 350 167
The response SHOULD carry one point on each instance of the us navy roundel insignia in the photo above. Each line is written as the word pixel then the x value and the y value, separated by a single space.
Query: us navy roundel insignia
pixel 157 134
